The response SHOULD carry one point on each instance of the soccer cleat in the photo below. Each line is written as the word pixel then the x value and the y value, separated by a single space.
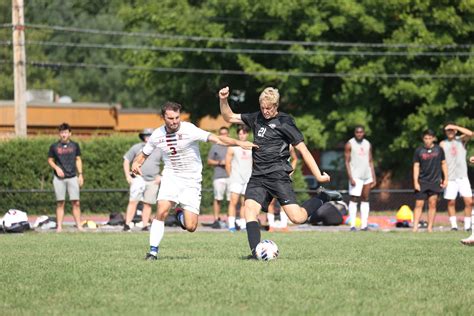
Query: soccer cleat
pixel 126 228
pixel 179 213
pixel 251 257
pixel 146 228
pixel 365 229
pixel 232 230
pixel 150 257
pixel 468 230
pixel 353 229
pixel 454 229
pixel 468 241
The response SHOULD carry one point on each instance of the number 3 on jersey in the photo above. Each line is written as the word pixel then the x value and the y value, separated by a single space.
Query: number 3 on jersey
pixel 261 131
pixel 173 150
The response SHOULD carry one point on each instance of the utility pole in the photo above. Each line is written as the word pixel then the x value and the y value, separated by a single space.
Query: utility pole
pixel 19 65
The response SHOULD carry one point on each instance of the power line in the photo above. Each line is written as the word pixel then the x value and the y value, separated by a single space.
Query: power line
pixel 244 40
pixel 240 50
pixel 48 64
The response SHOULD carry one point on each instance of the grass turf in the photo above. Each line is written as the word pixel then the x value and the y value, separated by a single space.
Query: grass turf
pixel 205 273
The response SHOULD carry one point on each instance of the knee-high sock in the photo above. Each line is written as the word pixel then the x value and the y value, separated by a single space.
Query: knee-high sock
pixel 283 219
pixel 352 213
pixel 311 206
pixel 231 220
pixel 253 235
pixel 467 222
pixel 271 219
pixel 364 214
pixel 453 221
pixel 157 230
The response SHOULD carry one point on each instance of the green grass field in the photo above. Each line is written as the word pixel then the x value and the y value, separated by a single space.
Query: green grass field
pixel 205 273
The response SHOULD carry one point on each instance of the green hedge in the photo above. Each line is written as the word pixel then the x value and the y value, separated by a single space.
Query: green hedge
pixel 24 167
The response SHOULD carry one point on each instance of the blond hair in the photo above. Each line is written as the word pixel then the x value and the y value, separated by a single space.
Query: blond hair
pixel 270 95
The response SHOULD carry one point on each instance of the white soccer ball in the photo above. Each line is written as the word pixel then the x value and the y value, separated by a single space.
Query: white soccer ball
pixel 266 250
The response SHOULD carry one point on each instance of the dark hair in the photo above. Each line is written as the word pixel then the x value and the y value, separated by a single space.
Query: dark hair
pixel 429 132
pixel 242 128
pixel 448 123
pixel 359 126
pixel 170 106
pixel 224 128
pixel 64 127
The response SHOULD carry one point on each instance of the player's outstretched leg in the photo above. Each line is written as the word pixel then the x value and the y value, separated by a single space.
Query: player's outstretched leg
pixel 157 229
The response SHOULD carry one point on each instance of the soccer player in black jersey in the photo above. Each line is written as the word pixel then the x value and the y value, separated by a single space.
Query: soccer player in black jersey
pixel 274 132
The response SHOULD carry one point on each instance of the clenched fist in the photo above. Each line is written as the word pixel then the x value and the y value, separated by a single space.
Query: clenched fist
pixel 224 93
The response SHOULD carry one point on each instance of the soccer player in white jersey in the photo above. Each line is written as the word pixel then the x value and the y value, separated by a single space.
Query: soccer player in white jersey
pixel 458 182
pixel 469 241
pixel 182 172
pixel 238 164
pixel 361 174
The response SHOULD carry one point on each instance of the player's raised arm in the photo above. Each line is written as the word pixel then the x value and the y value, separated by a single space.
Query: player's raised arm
pixel 228 141
pixel 311 163
pixel 226 111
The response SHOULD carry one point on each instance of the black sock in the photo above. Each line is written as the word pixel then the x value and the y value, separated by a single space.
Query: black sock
pixel 312 205
pixel 253 235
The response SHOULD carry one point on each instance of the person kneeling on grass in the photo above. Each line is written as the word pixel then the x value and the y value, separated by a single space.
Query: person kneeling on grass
pixel 182 172
pixel 273 132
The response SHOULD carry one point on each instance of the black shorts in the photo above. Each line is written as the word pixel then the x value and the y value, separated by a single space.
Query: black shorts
pixel 428 189
pixel 263 189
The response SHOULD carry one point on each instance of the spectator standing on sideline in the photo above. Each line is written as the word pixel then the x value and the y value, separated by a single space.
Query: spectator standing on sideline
pixel 469 241
pixel 430 176
pixel 458 182
pixel 220 183
pixel 361 174
pixel 64 158
pixel 142 187
pixel 238 164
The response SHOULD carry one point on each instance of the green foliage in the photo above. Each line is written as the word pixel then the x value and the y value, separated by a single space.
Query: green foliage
pixel 26 168
pixel 394 110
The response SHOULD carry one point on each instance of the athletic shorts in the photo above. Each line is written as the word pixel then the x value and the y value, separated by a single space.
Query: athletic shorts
pixel 71 185
pixel 461 186
pixel 183 191
pixel 142 190
pixel 262 189
pixel 221 187
pixel 238 188
pixel 427 190
pixel 356 190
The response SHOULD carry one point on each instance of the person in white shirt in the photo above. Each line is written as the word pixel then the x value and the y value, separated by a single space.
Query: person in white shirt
pixel 458 181
pixel 182 172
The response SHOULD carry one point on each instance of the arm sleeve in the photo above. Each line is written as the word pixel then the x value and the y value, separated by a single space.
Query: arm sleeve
pixel 130 154
pixel 149 146
pixel 249 119
pixel 292 132
pixel 198 133
pixel 78 150
pixel 442 155
pixel 51 151
pixel 416 156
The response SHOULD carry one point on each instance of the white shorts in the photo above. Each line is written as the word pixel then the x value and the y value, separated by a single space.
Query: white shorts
pixel 239 188
pixel 356 190
pixel 145 191
pixel 186 192
pixel 221 187
pixel 461 186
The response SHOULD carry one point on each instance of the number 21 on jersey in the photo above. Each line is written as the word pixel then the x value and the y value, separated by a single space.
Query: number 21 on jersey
pixel 261 131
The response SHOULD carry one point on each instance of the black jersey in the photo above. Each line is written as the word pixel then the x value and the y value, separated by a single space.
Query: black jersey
pixel 430 160
pixel 273 137
pixel 64 155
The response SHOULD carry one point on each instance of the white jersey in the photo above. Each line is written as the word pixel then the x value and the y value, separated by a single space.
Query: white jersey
pixel 241 165
pixel 360 165
pixel 180 150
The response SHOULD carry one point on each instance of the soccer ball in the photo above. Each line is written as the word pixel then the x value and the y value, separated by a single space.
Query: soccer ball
pixel 266 250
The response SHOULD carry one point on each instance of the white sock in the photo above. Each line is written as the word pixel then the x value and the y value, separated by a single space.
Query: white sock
pixel 352 213
pixel 283 219
pixel 452 220
pixel 157 230
pixel 231 220
pixel 472 221
pixel 364 214
pixel 467 222
pixel 243 223
pixel 271 219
